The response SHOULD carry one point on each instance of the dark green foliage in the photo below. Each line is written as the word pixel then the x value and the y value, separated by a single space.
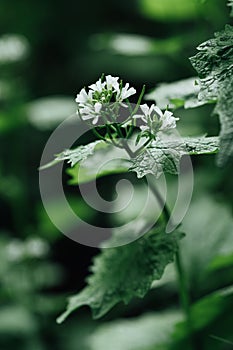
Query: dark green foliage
pixel 214 64
pixel 122 273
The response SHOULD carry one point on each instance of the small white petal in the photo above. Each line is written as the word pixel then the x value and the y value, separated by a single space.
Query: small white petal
pixel 144 128
pixel 145 109
pixel 98 107
pixel 128 93
pixel 168 114
pixel 158 111
pixel 125 92
pixel 87 116
pixel 137 116
pixel 98 86
pixel 168 121
pixel 123 105
pixel 82 97
pixel 112 82
pixel 87 110
pixel 95 120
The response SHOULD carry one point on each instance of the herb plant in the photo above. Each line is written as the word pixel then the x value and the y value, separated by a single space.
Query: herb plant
pixel 145 135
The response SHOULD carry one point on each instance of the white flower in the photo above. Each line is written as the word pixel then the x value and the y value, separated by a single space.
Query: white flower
pixel 83 97
pixel 168 121
pixel 155 120
pixel 102 94
pixel 125 92
pixel 98 86
pixel 92 112
pixel 112 82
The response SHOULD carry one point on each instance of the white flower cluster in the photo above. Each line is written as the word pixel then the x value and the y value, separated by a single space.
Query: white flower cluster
pixel 155 120
pixel 91 103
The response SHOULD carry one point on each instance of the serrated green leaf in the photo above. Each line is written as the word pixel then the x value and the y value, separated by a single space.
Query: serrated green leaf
pixel 74 156
pixel 214 64
pixel 224 109
pixel 164 155
pixel 104 161
pixel 125 272
pixel 182 93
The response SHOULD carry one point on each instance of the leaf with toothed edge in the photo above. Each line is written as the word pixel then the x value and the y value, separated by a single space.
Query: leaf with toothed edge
pixel 214 64
pixel 164 155
pixel 74 156
pixel 122 273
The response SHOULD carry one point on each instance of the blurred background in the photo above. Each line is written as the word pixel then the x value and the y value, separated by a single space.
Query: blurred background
pixel 49 50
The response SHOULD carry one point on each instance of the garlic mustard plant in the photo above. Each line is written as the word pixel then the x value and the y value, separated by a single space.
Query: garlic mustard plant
pixel 135 128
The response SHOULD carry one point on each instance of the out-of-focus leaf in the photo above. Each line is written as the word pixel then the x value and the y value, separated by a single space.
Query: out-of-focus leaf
pixel 146 332
pixel 231 5
pixel 164 155
pixel 78 205
pixel 16 320
pixel 13 48
pixel 167 10
pixel 48 112
pixel 203 315
pixel 220 262
pixel 125 272
pixel 182 93
pixel 136 45
pixel 209 241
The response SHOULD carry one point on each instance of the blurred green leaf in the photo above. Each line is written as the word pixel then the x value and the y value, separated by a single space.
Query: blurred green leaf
pixel 13 48
pixel 167 10
pixel 221 262
pixel 204 313
pixel 182 93
pixel 146 332
pixel 48 112
pixel 209 242
pixel 16 320
pixel 78 205
pixel 231 5
pixel 137 45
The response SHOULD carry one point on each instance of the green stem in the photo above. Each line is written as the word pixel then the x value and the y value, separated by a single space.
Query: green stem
pixel 143 146
pixel 95 132
pixel 163 206
pixel 139 100
pixel 184 297
pixel 182 282
pixel 124 142
pixel 127 148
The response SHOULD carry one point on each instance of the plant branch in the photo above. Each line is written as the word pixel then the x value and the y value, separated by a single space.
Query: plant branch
pixel 182 282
